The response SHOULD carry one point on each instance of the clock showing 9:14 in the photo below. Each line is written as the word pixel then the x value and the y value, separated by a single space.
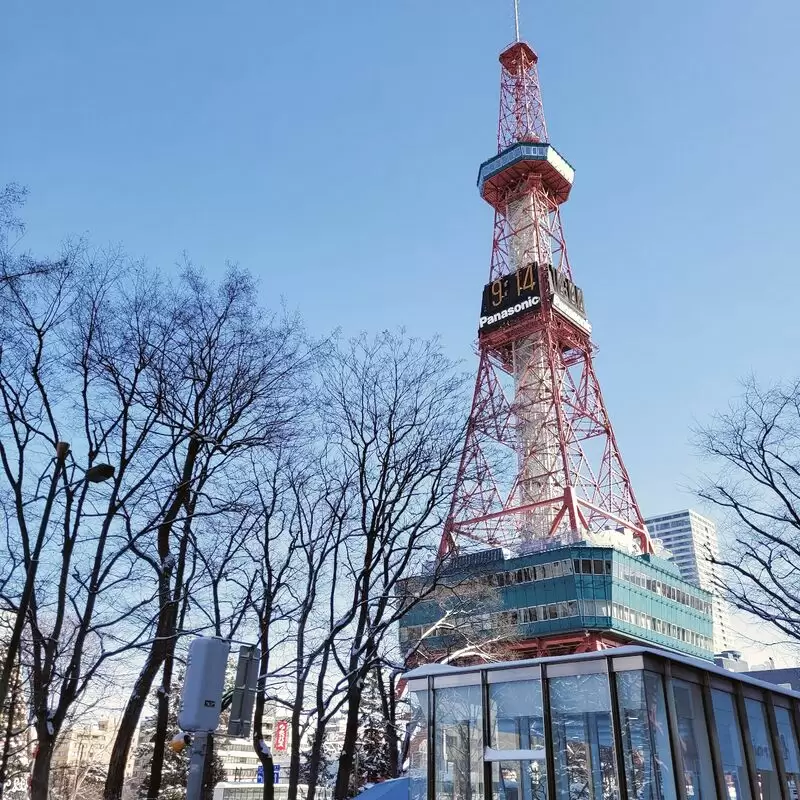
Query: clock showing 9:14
pixel 509 296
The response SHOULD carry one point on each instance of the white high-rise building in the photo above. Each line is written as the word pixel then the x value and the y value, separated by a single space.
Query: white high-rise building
pixel 691 539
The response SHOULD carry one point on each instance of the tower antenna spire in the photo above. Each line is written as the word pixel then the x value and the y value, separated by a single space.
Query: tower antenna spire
pixel 516 19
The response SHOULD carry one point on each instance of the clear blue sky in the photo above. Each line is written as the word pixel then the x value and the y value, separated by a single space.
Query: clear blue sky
pixel 332 147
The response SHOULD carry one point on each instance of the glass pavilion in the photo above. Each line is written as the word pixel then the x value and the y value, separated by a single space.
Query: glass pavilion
pixel 625 723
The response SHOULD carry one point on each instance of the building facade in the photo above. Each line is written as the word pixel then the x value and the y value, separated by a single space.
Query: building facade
pixel 692 540
pixel 632 723
pixel 566 599
pixel 81 755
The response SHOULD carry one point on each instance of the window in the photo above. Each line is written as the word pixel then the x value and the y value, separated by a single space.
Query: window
pixel 791 756
pixel 586 566
pixel 645 736
pixel 583 744
pixel 458 743
pixel 572 608
pixel 765 760
pixel 418 746
pixel 599 567
pixel 517 723
pixel 730 745
pixel 692 731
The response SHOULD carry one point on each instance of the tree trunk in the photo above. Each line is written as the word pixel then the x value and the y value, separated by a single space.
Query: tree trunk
pixel 315 760
pixel 8 733
pixel 348 754
pixel 389 708
pixel 294 754
pixel 258 719
pixel 11 646
pixel 269 776
pixel 127 728
pixel 164 643
pixel 40 776
pixel 160 736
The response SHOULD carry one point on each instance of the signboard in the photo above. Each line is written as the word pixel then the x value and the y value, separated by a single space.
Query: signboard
pixel 510 297
pixel 567 298
pixel 201 697
pixel 276 773
pixel 244 691
pixel 281 739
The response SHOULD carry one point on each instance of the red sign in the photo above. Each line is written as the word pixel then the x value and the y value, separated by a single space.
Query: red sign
pixel 281 735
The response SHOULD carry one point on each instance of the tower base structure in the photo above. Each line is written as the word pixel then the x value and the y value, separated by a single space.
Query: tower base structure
pixel 571 599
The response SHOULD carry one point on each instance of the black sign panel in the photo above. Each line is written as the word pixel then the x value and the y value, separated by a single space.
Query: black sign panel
pixel 562 286
pixel 510 297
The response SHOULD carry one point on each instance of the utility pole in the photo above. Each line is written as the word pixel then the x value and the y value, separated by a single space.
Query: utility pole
pixel 202 701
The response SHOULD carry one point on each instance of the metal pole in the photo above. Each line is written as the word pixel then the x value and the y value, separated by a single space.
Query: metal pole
pixel 197 760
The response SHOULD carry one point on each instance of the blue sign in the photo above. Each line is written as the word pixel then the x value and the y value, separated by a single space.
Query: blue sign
pixel 276 773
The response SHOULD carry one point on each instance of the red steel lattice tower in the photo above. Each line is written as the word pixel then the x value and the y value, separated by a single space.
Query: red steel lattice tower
pixel 541 465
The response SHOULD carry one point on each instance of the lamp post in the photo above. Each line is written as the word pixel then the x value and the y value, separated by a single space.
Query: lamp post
pixel 94 474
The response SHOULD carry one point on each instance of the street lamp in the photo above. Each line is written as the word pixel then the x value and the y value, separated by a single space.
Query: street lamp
pixel 99 473
pixel 94 474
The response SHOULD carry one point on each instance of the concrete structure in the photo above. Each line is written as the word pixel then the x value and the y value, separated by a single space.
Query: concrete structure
pixel 692 539
pixel 786 676
pixel 82 752
pixel 240 761
pixel 631 723
pixel 732 661
pixel 238 758
pixel 568 599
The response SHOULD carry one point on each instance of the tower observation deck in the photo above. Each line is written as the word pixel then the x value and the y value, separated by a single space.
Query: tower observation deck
pixel 541 470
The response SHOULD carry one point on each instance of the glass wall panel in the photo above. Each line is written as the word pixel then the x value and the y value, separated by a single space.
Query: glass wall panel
pixel 730 744
pixel 766 773
pixel 583 742
pixel 697 770
pixel 791 756
pixel 418 746
pixel 517 723
pixel 518 780
pixel 645 736
pixel 458 743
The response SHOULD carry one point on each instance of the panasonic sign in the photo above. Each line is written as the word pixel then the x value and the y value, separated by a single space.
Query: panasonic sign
pixel 507 313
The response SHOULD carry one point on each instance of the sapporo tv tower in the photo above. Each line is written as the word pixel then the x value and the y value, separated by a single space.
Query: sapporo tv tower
pixel 541 461
pixel 544 521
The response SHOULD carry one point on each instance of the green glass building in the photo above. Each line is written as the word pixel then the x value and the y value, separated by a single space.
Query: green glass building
pixel 562 600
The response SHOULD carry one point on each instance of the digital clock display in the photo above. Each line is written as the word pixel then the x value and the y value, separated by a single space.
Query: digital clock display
pixel 510 297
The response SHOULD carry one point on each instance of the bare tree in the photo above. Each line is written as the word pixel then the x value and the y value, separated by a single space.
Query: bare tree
pixel 69 361
pixel 465 624
pixel 755 449
pixel 393 414
pixel 363 513
pixel 16 265
pixel 173 386
pixel 227 385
